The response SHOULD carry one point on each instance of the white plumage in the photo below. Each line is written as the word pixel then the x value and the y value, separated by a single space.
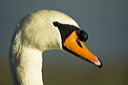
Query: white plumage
pixel 34 34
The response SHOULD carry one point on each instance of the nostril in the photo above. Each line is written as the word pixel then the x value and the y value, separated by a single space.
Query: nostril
pixel 83 35
pixel 78 42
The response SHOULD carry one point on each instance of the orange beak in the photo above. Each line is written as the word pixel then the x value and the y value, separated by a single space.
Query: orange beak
pixel 75 45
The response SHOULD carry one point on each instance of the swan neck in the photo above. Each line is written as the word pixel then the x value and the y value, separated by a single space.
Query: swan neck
pixel 26 66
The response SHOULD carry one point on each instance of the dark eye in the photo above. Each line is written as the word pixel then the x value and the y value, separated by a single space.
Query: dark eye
pixel 56 24
pixel 83 35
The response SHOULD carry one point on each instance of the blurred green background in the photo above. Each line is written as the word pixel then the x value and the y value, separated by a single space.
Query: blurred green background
pixel 106 22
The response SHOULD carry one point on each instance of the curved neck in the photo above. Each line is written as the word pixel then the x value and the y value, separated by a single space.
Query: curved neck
pixel 26 67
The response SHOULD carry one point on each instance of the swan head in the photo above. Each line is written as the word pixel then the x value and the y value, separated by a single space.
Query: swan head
pixel 48 29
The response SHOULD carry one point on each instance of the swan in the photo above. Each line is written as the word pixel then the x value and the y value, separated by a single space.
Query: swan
pixel 40 31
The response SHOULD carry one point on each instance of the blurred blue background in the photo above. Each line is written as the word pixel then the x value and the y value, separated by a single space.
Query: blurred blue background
pixel 106 22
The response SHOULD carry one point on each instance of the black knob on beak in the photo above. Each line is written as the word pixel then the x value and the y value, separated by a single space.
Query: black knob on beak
pixel 83 36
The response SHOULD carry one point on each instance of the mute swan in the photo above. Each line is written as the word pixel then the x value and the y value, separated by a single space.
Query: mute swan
pixel 39 31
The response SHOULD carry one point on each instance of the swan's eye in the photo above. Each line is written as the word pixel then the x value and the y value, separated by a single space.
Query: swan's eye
pixel 56 24
pixel 83 35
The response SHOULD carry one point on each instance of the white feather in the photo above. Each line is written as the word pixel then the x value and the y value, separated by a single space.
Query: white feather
pixel 34 34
